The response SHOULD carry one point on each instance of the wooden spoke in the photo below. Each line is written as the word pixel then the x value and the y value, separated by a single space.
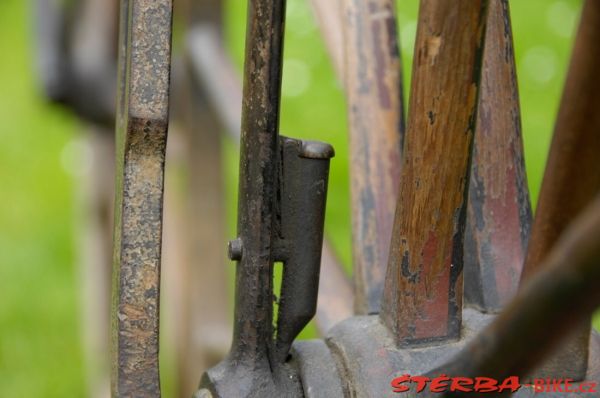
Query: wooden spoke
pixel 422 302
pixel 499 212
pixel 564 292
pixel 374 98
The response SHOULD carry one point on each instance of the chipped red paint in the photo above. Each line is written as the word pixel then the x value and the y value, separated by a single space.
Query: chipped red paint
pixel 499 213
pixel 433 310
pixel 505 239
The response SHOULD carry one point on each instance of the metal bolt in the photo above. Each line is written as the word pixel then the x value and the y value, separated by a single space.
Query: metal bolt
pixel 235 249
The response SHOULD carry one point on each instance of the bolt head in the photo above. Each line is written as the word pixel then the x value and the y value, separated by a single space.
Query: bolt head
pixel 235 249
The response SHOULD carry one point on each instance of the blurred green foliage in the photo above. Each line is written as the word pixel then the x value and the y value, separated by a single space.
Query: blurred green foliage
pixel 40 343
pixel 40 350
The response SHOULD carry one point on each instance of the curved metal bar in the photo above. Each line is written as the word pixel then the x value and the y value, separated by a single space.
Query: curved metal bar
pixel 142 118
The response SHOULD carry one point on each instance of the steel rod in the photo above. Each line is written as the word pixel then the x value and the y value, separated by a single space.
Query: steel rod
pixel 259 143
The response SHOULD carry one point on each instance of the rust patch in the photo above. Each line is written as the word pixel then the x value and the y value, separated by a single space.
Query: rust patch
pixel 144 66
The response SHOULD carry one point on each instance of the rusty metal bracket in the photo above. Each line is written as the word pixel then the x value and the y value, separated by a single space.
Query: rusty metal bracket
pixel 297 237
pixel 282 193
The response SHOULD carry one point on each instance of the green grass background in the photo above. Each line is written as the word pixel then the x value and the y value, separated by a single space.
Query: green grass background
pixel 40 344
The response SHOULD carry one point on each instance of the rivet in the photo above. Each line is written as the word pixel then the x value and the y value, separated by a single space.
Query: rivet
pixel 235 249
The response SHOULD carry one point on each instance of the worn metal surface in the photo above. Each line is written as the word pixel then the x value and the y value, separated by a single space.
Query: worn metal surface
pixel 300 218
pixel 499 211
pixel 572 176
pixel 562 294
pixel 367 359
pixel 216 74
pixel 251 369
pixel 317 370
pixel 258 165
pixel 144 66
pixel 422 301
pixel 282 193
pixel 374 102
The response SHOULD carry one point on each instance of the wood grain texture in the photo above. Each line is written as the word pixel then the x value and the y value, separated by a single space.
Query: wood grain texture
pixel 376 126
pixel 572 176
pixel 422 301
pixel 499 212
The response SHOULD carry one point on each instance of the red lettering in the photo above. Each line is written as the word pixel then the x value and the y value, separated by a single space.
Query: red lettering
pixel 538 385
pixel 568 385
pixel 511 383
pixel 485 384
pixel 421 382
pixel 439 384
pixel 398 383
pixel 461 383
pixel 592 386
pixel 557 385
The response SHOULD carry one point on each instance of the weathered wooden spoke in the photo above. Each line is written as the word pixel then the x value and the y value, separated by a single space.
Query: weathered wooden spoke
pixel 499 212
pixel 422 301
pixel 372 79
